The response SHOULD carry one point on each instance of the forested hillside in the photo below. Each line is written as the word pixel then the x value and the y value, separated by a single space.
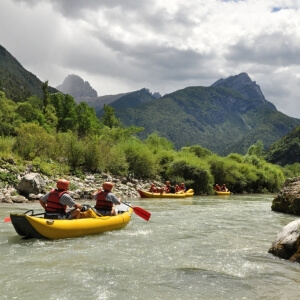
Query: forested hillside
pixel 17 83
pixel 286 151
pixel 224 118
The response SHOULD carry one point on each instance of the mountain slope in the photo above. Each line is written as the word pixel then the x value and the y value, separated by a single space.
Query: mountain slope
pixel 286 150
pixel 17 83
pixel 228 116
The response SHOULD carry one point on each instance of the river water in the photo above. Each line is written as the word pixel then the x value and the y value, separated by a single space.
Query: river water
pixel 212 247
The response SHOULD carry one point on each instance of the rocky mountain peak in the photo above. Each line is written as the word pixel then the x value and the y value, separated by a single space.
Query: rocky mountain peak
pixel 75 86
pixel 242 84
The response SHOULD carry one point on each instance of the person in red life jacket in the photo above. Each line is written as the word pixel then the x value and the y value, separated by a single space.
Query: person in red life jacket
pixel 217 187
pixel 153 188
pixel 224 188
pixel 105 200
pixel 168 188
pixel 182 187
pixel 57 201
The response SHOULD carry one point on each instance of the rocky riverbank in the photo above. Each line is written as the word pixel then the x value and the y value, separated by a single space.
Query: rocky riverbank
pixel 34 185
pixel 287 242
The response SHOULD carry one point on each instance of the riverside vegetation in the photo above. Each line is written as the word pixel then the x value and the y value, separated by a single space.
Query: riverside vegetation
pixel 58 137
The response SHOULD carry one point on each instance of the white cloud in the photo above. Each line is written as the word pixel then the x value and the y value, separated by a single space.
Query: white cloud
pixel 124 45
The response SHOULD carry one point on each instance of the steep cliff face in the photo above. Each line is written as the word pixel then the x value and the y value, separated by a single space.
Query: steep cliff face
pixel 75 86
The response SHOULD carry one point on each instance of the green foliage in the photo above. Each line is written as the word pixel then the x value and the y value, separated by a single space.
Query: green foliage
pixel 156 143
pixel 140 159
pixel 87 120
pixel 49 167
pixel 285 151
pixel 32 141
pixel 72 149
pixel 6 146
pixel 257 149
pixel 292 170
pixel 109 118
pixel 198 151
pixel 199 177
pixel 7 178
pixel 8 118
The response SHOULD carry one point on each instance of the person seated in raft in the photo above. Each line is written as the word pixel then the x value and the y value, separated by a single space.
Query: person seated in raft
pixel 56 201
pixel 105 200
pixel 168 188
pixel 182 187
pixel 217 187
pixel 224 188
pixel 177 188
pixel 153 188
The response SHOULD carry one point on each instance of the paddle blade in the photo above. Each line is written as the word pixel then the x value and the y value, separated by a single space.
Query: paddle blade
pixel 142 213
pixel 7 219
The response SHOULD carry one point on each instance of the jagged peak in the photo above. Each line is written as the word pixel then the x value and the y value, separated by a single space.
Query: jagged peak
pixel 242 84
pixel 77 87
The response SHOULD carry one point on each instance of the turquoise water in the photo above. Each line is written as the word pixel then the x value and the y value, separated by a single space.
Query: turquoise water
pixel 213 247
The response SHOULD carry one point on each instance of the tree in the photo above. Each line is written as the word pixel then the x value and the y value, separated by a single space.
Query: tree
pixel 109 118
pixel 46 97
pixel 87 119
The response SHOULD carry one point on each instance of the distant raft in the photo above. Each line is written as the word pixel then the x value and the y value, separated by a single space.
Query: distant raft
pixel 222 193
pixel 145 194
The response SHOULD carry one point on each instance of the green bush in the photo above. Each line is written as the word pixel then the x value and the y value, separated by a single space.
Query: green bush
pixel 140 160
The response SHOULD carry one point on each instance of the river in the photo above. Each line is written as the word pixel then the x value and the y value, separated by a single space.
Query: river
pixel 205 247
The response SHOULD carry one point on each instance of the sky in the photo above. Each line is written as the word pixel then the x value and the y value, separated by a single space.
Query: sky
pixel 122 46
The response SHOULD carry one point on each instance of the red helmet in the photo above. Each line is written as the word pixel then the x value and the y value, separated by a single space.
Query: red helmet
pixel 63 184
pixel 107 186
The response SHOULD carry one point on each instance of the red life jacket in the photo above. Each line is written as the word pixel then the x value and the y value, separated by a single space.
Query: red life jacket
pixel 101 203
pixel 53 204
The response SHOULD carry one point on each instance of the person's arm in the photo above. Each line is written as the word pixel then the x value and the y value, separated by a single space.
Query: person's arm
pixel 112 198
pixel 66 199
pixel 43 204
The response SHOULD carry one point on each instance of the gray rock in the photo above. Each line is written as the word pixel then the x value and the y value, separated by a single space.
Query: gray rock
pixel 31 183
pixel 288 199
pixel 287 242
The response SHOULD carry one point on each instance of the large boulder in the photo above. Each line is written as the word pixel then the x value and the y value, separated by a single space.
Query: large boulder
pixel 288 199
pixel 287 242
pixel 31 183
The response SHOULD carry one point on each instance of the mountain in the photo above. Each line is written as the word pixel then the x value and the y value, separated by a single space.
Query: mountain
pixel 229 116
pixel 77 87
pixel 17 83
pixel 285 151
pixel 81 91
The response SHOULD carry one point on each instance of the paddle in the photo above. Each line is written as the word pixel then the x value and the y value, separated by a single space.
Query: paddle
pixel 7 219
pixel 140 212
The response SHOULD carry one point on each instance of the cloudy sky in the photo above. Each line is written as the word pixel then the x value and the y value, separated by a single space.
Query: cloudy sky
pixel 163 45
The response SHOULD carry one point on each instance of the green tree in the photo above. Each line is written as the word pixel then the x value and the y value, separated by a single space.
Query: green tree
pixel 109 118
pixel 9 119
pixel 87 120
